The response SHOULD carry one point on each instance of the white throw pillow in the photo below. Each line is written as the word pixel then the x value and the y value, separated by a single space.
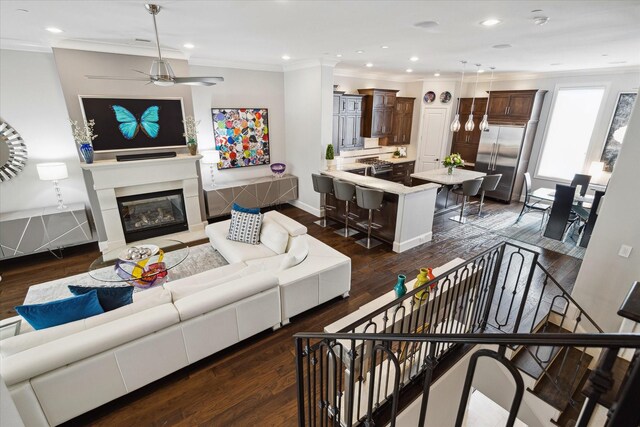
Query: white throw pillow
pixel 274 236
pixel 245 227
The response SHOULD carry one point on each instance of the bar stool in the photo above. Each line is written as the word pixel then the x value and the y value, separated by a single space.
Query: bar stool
pixel 344 191
pixel 489 183
pixel 469 188
pixel 368 198
pixel 323 185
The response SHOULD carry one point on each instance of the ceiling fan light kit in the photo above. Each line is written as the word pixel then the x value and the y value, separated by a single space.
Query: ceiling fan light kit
pixel 161 73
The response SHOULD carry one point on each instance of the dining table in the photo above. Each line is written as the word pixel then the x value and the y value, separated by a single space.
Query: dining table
pixel 549 195
pixel 448 181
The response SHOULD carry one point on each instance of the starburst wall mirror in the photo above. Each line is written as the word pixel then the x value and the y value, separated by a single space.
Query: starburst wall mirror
pixel 13 152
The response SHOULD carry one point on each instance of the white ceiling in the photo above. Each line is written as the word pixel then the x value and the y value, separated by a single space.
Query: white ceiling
pixel 580 35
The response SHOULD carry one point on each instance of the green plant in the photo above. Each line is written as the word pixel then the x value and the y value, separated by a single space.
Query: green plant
pixel 329 154
pixel 396 153
pixel 453 160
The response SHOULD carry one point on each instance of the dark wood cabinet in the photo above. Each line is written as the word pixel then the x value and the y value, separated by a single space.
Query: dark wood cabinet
pixel 401 172
pixel 402 122
pixel 464 142
pixel 347 122
pixel 511 106
pixel 377 112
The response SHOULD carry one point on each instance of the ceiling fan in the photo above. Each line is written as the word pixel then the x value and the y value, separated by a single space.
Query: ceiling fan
pixel 161 73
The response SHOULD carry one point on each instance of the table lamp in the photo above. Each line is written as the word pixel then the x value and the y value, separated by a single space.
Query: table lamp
pixel 211 158
pixel 53 172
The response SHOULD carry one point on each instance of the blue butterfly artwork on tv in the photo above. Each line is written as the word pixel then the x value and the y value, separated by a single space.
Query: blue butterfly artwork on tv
pixel 129 125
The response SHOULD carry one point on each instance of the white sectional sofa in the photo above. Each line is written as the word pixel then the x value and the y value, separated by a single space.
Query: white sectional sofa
pixel 58 373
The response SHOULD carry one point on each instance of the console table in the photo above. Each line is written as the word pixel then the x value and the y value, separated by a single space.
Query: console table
pixel 43 229
pixel 251 193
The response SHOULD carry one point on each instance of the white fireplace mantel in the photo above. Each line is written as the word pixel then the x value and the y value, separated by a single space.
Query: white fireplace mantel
pixel 113 179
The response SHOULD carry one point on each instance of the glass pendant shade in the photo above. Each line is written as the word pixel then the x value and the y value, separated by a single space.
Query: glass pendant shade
pixel 484 124
pixel 162 73
pixel 469 125
pixel 455 124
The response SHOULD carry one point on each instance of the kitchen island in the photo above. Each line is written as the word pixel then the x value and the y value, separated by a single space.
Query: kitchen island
pixel 405 219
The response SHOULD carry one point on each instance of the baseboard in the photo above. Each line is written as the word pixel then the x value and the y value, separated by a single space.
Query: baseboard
pixel 305 207
pixel 412 243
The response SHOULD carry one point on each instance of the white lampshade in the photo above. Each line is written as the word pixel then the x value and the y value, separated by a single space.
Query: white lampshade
pixel 52 171
pixel 211 157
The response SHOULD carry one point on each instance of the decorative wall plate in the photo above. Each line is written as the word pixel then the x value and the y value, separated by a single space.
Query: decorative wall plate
pixel 445 97
pixel 429 97
pixel 13 152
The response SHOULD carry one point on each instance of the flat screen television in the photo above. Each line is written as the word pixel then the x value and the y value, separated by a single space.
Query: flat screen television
pixel 127 123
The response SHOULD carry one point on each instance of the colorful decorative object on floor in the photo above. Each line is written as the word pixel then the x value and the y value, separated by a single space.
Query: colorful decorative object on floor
pixel 278 169
pixel 242 136
pixel 452 161
pixel 400 289
pixel 425 275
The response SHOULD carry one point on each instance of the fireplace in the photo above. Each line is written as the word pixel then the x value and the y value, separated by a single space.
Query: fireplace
pixel 152 214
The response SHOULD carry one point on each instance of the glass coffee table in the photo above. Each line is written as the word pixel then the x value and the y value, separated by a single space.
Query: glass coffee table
pixel 143 264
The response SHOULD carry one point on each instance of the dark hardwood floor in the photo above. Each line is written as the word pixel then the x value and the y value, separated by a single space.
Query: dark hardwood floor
pixel 253 382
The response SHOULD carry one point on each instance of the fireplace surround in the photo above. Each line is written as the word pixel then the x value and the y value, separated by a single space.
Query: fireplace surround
pixel 110 182
pixel 152 214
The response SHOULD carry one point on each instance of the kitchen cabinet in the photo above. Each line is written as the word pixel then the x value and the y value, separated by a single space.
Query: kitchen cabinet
pixel 402 122
pixel 514 106
pixel 463 142
pixel 401 172
pixel 377 112
pixel 347 122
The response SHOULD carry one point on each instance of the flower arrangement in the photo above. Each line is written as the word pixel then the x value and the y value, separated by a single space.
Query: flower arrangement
pixel 190 129
pixel 452 161
pixel 83 134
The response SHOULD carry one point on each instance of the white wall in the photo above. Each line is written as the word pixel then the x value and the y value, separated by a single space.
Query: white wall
pixel 605 278
pixel 31 100
pixel 614 82
pixel 241 88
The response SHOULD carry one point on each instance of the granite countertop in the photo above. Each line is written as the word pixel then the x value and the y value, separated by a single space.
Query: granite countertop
pixel 377 183
pixel 442 177
pixel 400 159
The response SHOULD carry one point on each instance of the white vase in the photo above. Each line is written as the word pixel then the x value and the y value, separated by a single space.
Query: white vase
pixel 331 164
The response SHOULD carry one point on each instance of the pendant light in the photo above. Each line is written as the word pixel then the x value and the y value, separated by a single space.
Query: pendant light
pixel 470 125
pixel 484 124
pixel 455 124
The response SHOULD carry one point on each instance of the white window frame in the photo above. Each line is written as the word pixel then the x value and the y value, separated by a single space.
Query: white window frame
pixel 593 140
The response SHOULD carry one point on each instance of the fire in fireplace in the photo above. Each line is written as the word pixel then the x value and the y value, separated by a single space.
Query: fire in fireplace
pixel 152 214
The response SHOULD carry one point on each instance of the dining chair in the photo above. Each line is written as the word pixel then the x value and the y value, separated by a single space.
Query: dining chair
pixel 590 219
pixel 529 206
pixel 583 181
pixel 559 215
pixel 489 183
pixel 469 188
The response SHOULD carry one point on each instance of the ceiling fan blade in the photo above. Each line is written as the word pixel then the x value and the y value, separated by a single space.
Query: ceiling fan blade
pixel 198 81
pixel 141 72
pixel 138 79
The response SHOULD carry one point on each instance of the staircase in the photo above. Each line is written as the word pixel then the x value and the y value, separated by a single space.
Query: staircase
pixel 408 362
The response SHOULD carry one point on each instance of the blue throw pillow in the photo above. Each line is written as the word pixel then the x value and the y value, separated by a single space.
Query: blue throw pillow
pixel 62 311
pixel 237 207
pixel 110 297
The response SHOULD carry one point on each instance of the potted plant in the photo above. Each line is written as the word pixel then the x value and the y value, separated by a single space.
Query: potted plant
pixel 329 156
pixel 191 133
pixel 452 161
pixel 396 154
pixel 83 135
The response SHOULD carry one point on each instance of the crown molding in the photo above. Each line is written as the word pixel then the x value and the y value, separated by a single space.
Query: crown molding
pixel 309 63
pixel 350 72
pixel 254 66
pixel 14 44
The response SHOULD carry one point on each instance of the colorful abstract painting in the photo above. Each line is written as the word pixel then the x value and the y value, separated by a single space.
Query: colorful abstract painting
pixel 242 136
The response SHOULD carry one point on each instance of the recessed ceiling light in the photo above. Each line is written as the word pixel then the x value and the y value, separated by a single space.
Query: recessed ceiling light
pixel 339 55
pixel 436 74
pixel 54 30
pixel 480 71
pixel 502 46
pixel 536 10
pixel 413 59
pixel 360 51
pixel 490 22
pixel 286 57
pixel 540 20
pixel 409 70
pixel 384 47
pixel 426 24
pixel 369 64
pixel 189 45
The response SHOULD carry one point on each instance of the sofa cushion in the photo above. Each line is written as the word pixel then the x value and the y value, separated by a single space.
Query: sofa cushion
pixel 293 227
pixel 274 236
pixel 62 311
pixel 110 298
pixel 237 207
pixel 224 294
pixel 245 227
pixel 72 348
pixel 270 263
pixel 233 251
pixel 141 301
pixel 199 282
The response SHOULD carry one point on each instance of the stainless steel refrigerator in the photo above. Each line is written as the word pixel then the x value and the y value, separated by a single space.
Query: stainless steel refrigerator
pixel 501 151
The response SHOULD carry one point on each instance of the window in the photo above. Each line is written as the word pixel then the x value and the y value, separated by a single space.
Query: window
pixel 569 132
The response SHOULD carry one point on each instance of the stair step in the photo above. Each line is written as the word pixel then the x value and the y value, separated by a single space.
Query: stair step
pixel 570 415
pixel 619 370
pixel 546 390
pixel 525 361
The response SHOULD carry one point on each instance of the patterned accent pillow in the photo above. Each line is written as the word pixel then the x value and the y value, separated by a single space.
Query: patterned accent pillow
pixel 245 227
